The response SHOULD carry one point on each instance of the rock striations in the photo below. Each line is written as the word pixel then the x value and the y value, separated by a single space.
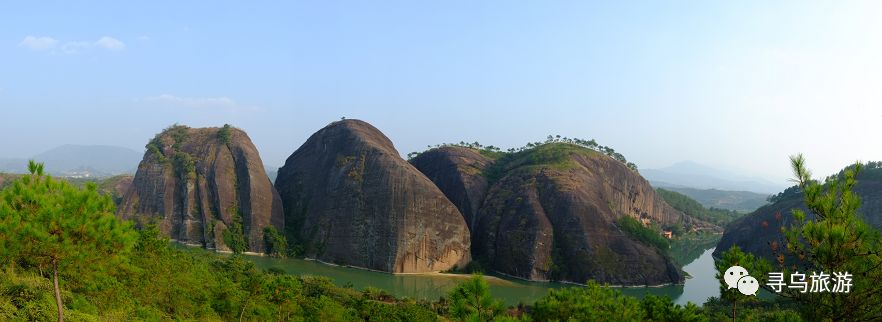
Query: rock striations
pixel 459 173
pixel 351 199
pixel 555 211
pixel 550 213
pixel 205 186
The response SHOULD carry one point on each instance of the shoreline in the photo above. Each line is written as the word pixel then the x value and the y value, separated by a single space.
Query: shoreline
pixel 582 284
pixel 440 274
pixel 490 278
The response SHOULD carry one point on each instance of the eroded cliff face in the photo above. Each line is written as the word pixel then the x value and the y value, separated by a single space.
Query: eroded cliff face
pixel 351 199
pixel 458 172
pixel 207 187
pixel 551 213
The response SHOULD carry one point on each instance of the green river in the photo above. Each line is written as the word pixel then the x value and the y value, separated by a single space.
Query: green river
pixel 699 286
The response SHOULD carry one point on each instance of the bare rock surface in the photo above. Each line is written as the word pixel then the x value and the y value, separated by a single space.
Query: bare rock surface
pixel 550 213
pixel 205 186
pixel 458 172
pixel 351 199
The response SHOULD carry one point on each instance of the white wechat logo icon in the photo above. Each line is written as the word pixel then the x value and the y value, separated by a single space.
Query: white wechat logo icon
pixel 737 277
pixel 748 285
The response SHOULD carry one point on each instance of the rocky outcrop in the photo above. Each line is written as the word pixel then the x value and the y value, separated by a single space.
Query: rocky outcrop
pixel 551 213
pixel 205 186
pixel 459 173
pixel 351 199
pixel 760 232
pixel 116 187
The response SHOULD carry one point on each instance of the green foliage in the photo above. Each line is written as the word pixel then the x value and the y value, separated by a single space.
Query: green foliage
pixel 757 267
pixel 716 309
pixel 740 201
pixel 51 224
pixel 662 308
pixel 184 164
pixel 599 303
pixel 168 283
pixel 234 235
pixel 471 301
pixel 225 134
pixel 274 242
pixel 178 133
pixel 545 155
pixel 155 148
pixel 790 192
pixel 646 235
pixel 831 237
pixel 590 303
pixel 694 209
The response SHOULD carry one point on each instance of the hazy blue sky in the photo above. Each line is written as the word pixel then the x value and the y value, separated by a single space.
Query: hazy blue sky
pixel 737 85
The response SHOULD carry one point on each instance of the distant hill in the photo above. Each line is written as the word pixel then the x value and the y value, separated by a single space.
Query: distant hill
pixel 741 201
pixel 688 174
pixel 695 209
pixel 80 161
pixel 754 233
pixel 13 165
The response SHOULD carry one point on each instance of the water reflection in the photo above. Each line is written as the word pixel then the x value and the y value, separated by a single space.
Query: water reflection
pixel 699 287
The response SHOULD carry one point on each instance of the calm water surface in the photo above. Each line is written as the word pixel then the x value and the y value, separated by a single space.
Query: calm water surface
pixel 699 287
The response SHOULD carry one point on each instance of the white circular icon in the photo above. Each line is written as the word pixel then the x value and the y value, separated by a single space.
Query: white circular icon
pixel 733 274
pixel 748 285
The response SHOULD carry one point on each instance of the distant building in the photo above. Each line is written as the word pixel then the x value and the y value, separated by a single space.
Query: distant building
pixel 668 234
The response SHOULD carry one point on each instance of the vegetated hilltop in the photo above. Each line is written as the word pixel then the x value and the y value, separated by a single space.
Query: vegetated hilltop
pixel 760 232
pixel 205 186
pixel 560 210
pixel 741 201
pixel 350 199
pixel 693 208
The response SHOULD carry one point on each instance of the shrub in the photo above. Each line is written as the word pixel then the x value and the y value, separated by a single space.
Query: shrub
pixel 646 235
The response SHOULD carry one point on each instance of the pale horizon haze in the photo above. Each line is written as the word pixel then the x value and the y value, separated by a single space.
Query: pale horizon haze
pixel 733 85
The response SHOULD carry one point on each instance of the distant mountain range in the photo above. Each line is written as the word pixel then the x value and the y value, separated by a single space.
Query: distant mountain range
pixel 688 174
pixel 80 161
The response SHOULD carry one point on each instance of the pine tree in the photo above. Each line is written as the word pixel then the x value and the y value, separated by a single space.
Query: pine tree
pixel 53 224
pixel 471 301
pixel 831 237
pixel 756 267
